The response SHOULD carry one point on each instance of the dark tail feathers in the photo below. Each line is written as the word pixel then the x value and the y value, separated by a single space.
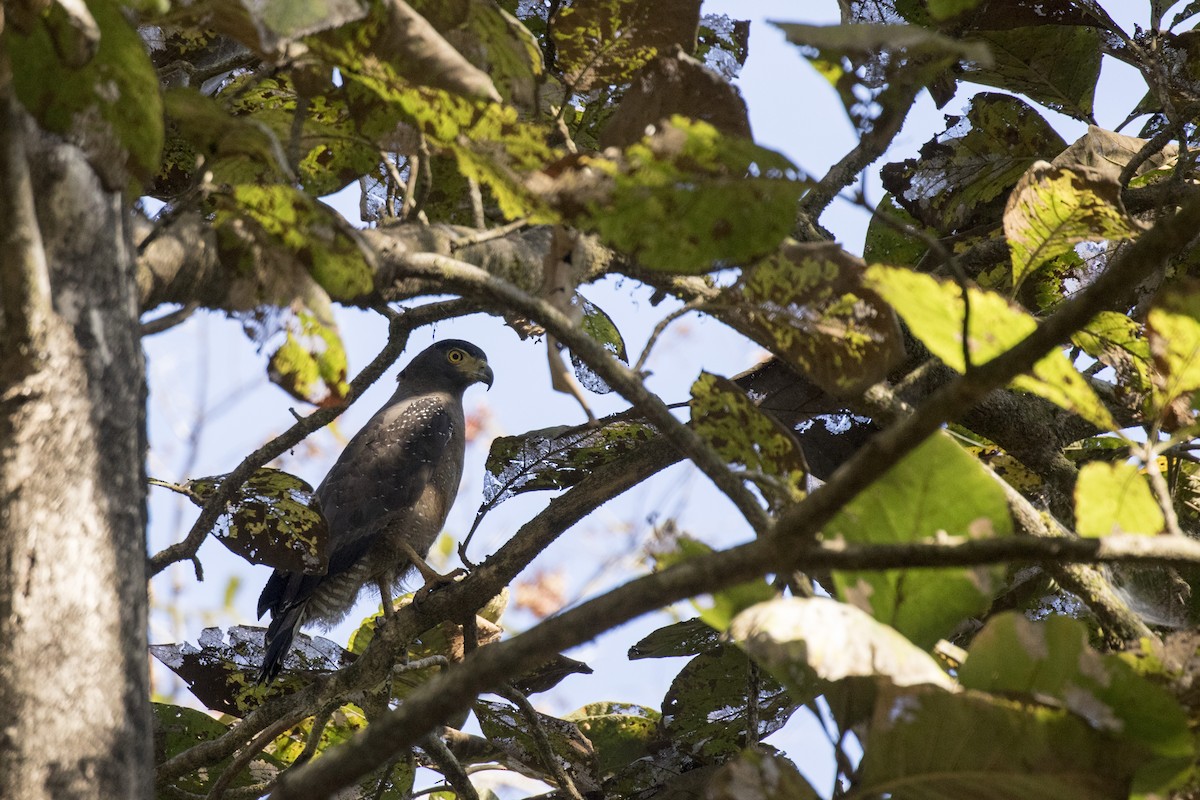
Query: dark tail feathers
pixel 280 633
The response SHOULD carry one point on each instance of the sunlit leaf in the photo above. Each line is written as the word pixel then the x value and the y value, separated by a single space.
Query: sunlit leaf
pixel 803 641
pixel 1173 330
pixel 1053 208
pixel 1114 498
pixel 933 310
pixel 937 490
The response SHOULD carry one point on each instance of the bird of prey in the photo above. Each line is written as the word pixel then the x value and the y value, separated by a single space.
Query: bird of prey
pixel 385 499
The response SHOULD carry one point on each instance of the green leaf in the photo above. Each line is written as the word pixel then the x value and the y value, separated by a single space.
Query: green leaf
pixel 271 521
pixel 687 638
pixel 927 744
pixel 1055 65
pixel 885 243
pixel 1118 342
pixel 110 107
pixel 937 490
pixel 177 729
pixel 621 733
pixel 964 175
pixel 807 304
pixel 725 417
pixel 1173 330
pixel 1053 208
pixel 707 709
pixel 685 199
pixel 601 328
pixel 933 310
pixel 1114 498
pixel 305 228
pixel 807 642
pixel 1052 659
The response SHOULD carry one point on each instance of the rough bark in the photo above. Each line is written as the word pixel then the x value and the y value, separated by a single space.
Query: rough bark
pixel 74 682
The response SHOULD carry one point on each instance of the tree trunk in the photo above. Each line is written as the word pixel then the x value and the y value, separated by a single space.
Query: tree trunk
pixel 73 670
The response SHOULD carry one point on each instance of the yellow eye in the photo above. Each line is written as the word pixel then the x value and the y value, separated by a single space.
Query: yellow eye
pixel 455 356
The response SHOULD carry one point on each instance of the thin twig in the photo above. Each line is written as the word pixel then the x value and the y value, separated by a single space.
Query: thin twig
pixel 488 235
pixel 451 770
pixel 244 758
pixel 692 305
pixel 168 321
pixel 541 741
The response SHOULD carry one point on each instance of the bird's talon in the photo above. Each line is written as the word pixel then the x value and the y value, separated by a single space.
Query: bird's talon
pixel 437 581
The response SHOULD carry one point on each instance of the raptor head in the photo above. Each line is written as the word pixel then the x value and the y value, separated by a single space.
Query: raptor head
pixel 450 364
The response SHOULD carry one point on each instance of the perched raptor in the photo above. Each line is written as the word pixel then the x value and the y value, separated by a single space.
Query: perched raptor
pixel 389 491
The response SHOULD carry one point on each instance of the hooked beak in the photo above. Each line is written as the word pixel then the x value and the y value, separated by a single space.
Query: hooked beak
pixel 483 374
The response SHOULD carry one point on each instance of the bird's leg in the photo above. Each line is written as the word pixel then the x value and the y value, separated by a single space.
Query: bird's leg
pixel 385 596
pixel 433 578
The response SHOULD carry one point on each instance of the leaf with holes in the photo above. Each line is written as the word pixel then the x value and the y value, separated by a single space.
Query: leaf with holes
pixel 271 520
pixel 807 304
pixel 508 729
pixel 600 327
pixel 1054 208
pixel 728 419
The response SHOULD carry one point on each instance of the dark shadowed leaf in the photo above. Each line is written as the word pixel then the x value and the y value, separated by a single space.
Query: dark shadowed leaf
pixel 937 490
pixel 676 84
pixel 687 638
pixel 876 68
pixel 964 175
pixel 507 728
pixel 272 26
pixel 271 521
pixel 1054 65
pixel 110 106
pixel 545 677
pixel 221 671
pixel 606 41
pixel 706 712
pixel 890 243
pixel 599 326
pixel 1052 659
pixel 808 304
pixel 556 458
pixel 728 419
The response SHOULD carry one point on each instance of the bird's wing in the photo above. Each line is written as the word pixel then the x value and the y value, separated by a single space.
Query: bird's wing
pixel 383 470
